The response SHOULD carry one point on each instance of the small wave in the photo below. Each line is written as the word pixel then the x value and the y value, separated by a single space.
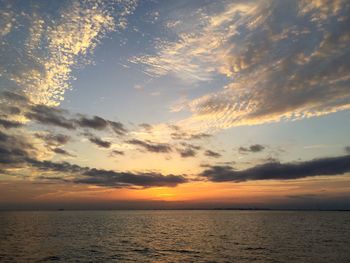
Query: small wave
pixel 50 258
pixel 142 250
pixel 254 248
pixel 181 251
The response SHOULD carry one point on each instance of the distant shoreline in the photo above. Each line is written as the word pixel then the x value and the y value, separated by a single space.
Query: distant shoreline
pixel 179 209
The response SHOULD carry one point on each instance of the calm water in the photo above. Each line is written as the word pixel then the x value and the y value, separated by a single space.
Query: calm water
pixel 175 236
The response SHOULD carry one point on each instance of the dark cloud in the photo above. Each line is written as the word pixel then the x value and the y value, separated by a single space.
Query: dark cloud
pixel 63 167
pixel 179 135
pixel 96 123
pixel 62 152
pixel 10 124
pixel 122 179
pixel 187 152
pixel 99 142
pixel 117 127
pixel 191 146
pixel 54 139
pixel 182 135
pixel 12 156
pixel 10 110
pixel 151 147
pixel 199 136
pixel 99 123
pixel 15 97
pixel 50 116
pixel 116 152
pixel 14 150
pixel 108 178
pixel 252 148
pixel 146 126
pixel 227 163
pixel 46 115
pixel 278 171
pixel 211 153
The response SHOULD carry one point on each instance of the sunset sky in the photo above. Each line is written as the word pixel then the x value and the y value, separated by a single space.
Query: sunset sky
pixel 174 104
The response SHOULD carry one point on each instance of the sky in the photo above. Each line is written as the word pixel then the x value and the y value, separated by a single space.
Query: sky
pixel 127 104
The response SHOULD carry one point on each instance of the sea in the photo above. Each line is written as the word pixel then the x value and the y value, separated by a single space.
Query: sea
pixel 175 236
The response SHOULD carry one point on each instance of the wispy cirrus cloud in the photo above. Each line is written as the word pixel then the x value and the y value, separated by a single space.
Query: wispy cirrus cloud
pixel 195 55
pixel 278 65
pixel 41 63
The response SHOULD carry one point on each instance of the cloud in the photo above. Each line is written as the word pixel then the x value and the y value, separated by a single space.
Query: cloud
pixel 251 149
pixel 146 126
pixel 99 123
pixel 14 97
pixel 11 110
pixel 180 134
pixel 10 124
pixel 124 179
pixel 280 171
pixel 187 152
pixel 53 116
pixel 15 148
pixel 50 116
pixel 62 152
pixel 193 57
pixel 16 152
pixel 53 44
pixel 116 152
pixel 53 139
pixel 199 136
pixel 99 142
pixel 96 123
pixel 118 127
pixel 191 146
pixel 108 178
pixel 151 147
pixel 211 153
pixel 277 65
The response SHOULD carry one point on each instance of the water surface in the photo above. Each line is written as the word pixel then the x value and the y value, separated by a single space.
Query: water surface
pixel 174 236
